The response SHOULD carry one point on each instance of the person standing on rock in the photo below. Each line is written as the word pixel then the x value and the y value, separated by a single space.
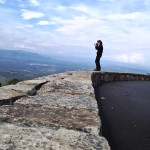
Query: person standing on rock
pixel 99 48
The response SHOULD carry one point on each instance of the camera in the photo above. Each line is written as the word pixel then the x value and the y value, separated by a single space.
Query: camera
pixel 95 44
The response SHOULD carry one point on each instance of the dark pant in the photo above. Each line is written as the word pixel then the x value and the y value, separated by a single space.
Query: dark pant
pixel 97 62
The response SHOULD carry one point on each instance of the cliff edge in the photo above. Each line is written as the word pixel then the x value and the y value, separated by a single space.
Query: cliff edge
pixel 57 112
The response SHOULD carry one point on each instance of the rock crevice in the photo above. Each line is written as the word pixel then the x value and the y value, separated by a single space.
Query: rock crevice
pixel 9 94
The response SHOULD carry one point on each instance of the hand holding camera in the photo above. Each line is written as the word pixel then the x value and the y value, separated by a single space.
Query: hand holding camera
pixel 95 44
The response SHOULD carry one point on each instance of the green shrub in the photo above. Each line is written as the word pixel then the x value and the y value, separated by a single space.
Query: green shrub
pixel 12 81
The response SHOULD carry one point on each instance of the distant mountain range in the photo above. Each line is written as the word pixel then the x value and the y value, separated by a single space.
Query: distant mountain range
pixel 27 65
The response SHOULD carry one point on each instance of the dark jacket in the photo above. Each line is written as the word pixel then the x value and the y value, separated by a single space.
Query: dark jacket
pixel 99 49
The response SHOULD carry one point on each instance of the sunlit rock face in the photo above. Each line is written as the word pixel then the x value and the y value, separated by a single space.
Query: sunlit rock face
pixel 57 112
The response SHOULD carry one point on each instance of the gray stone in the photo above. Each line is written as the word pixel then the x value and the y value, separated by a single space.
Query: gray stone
pixel 71 83
pixel 16 137
pixel 30 86
pixel 83 119
pixel 24 88
pixel 9 96
pixel 57 99
pixel 32 82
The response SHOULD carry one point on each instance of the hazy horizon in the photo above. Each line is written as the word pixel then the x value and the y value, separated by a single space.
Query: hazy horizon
pixel 87 60
pixel 25 65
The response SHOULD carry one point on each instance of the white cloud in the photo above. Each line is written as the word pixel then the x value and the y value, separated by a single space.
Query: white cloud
pixel 24 46
pixel 61 8
pixel 2 1
pixel 71 26
pixel 29 26
pixel 90 11
pixel 28 14
pixel 117 29
pixel 44 22
pixel 45 44
pixel 134 15
pixel 34 2
pixel 131 58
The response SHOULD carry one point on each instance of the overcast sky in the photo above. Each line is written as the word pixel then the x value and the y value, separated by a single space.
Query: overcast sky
pixel 73 26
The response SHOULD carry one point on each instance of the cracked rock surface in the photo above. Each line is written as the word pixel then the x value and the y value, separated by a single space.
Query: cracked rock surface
pixel 45 138
pixel 9 96
pixel 62 115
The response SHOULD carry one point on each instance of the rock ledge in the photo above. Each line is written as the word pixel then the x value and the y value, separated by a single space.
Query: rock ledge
pixel 57 112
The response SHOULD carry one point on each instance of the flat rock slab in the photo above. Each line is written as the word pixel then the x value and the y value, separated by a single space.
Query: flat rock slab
pixel 71 83
pixel 56 99
pixel 37 115
pixel 9 96
pixel 30 86
pixel 16 137
pixel 78 75
pixel 23 88
pixel 69 87
pixel 32 82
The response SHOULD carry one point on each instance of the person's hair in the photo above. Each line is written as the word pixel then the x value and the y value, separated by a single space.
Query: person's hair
pixel 100 42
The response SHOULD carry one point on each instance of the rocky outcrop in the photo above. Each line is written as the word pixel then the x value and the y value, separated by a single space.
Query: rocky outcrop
pixel 29 87
pixel 57 112
pixel 9 94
